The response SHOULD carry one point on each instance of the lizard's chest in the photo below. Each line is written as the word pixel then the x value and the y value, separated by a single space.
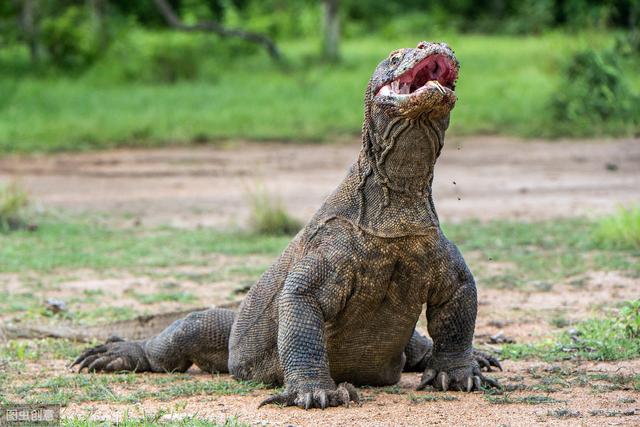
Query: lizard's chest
pixel 387 282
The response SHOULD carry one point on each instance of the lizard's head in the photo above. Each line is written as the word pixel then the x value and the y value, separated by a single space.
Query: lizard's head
pixel 411 82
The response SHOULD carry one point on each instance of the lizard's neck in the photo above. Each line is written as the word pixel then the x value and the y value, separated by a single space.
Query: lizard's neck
pixel 399 156
pixel 395 169
pixel 387 192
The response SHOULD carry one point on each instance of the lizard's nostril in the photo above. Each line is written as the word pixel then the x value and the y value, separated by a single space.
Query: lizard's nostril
pixel 422 45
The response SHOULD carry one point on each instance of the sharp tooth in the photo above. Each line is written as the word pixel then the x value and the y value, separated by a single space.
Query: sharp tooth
pixel 405 88
pixel 384 91
pixel 395 86
pixel 439 86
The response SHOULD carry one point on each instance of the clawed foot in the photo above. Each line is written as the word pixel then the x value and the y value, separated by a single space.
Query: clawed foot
pixel 115 355
pixel 462 379
pixel 486 361
pixel 320 398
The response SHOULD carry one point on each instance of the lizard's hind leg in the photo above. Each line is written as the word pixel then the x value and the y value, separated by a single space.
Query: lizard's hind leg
pixel 201 338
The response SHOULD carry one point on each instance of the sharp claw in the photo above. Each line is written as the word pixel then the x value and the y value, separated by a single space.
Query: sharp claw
pixel 278 399
pixel 115 365
pixel 87 353
pixel 87 361
pixel 477 382
pixel 321 398
pixel 443 381
pixel 98 364
pixel 495 362
pixel 483 363
pixel 469 384
pixel 352 393
pixel 427 377
pixel 491 382
pixel 308 401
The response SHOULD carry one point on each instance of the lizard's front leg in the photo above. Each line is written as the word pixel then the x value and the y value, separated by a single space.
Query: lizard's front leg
pixel 301 343
pixel 451 315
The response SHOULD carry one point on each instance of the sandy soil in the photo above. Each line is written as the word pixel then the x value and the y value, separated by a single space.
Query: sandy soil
pixel 397 409
pixel 479 177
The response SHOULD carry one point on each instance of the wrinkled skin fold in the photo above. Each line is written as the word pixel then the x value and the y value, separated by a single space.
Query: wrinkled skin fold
pixel 339 307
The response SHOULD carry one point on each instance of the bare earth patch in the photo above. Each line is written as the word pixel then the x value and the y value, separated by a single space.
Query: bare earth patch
pixel 402 405
pixel 476 177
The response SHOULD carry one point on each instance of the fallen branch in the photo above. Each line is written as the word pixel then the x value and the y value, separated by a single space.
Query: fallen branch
pixel 213 27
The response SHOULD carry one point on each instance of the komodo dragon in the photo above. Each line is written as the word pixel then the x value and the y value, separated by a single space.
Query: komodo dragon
pixel 340 305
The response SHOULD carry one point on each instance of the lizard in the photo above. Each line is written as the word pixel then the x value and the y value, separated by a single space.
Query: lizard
pixel 339 307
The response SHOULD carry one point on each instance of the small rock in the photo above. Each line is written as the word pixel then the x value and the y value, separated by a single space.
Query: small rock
pixel 55 305
pixel 497 323
pixel 574 333
pixel 501 338
pixel 612 167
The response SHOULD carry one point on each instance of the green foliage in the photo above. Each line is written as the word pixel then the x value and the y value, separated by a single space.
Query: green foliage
pixel 70 39
pixel 504 89
pixel 620 230
pixel 594 97
pixel 630 319
pixel 613 338
pixel 281 20
pixel 14 202
pixel 269 216
pixel 167 57
pixel 499 16
pixel 531 17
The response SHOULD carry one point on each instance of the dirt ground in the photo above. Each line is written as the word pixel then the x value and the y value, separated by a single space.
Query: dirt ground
pixel 477 178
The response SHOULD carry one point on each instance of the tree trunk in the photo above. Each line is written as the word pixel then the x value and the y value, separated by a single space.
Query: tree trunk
pixel 97 8
pixel 28 26
pixel 331 43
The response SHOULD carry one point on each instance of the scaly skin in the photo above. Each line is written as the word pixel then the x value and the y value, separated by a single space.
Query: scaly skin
pixel 341 303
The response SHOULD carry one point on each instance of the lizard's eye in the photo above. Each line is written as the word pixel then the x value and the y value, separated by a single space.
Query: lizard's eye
pixel 395 58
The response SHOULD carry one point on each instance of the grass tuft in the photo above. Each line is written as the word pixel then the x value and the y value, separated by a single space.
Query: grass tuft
pixel 269 217
pixel 594 339
pixel 620 230
pixel 14 202
pixel 422 398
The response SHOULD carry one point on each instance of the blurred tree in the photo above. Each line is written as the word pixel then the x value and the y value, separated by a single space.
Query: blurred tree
pixel 29 28
pixel 331 39
pixel 214 27
pixel 99 18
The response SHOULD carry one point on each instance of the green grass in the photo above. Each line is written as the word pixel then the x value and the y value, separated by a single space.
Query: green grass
pixel 67 388
pixel 507 399
pixel 621 230
pixel 84 244
pixel 14 202
pixel 615 337
pixel 151 420
pixel 540 252
pixel 269 216
pixel 424 398
pixel 504 87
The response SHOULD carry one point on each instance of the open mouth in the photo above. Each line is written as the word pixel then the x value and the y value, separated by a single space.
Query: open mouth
pixel 435 71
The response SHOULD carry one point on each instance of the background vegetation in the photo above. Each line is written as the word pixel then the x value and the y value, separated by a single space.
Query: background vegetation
pixel 80 74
